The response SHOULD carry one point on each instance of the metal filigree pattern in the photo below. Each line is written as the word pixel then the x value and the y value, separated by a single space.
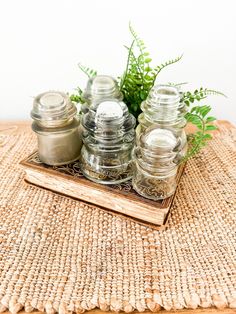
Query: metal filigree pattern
pixel 154 188
pixel 112 174
pixel 74 170
pixel 71 169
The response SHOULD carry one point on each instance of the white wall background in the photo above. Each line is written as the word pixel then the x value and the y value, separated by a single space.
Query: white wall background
pixel 41 43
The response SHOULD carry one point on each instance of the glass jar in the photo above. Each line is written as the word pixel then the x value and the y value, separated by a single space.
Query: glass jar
pixel 156 163
pixel 164 109
pixel 108 138
pixel 99 88
pixel 56 126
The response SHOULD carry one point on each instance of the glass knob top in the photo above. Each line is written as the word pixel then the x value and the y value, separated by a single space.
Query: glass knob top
pixel 52 108
pixel 101 87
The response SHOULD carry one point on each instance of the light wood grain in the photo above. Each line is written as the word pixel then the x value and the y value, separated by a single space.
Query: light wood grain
pixel 116 202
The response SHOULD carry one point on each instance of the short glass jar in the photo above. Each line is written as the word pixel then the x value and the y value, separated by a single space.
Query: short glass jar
pixel 156 163
pixel 108 138
pixel 57 128
pixel 99 88
pixel 164 109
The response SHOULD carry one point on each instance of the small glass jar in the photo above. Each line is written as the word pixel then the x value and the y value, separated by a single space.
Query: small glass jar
pixel 56 126
pixel 108 137
pixel 99 88
pixel 164 109
pixel 156 163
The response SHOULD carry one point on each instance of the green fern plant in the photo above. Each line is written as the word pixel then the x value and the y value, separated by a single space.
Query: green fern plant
pixel 138 79
pixel 199 116
pixel 198 95
pixel 78 96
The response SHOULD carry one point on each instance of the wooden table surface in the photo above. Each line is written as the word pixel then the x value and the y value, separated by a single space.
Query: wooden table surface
pixel 220 123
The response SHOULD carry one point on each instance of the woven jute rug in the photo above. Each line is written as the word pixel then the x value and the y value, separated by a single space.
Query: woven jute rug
pixel 58 254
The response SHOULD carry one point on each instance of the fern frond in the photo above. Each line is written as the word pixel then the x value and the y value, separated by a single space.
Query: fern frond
pixel 127 64
pixel 213 92
pixel 199 117
pixel 177 84
pixel 159 68
pixel 199 94
pixel 87 71
pixel 138 40
pixel 78 97
pixel 134 66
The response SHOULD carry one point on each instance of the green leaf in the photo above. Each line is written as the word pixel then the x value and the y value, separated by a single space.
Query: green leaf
pixel 207 136
pixel 210 119
pixel 204 110
pixel 214 92
pixel 211 127
pixel 148 69
pixel 87 71
pixel 147 60
pixel 194 109
pixel 142 95
pixel 159 68
pixel 148 77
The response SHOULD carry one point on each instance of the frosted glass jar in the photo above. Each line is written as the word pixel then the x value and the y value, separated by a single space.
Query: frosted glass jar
pixel 164 109
pixel 156 163
pixel 108 138
pixel 57 128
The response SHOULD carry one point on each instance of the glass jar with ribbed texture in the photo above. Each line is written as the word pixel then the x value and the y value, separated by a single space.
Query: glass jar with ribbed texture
pixel 164 109
pixel 108 140
pixel 57 128
pixel 99 88
pixel 156 158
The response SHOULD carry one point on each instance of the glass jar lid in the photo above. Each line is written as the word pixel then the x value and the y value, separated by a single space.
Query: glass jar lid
pixel 52 109
pixel 162 104
pixel 110 116
pixel 102 87
pixel 163 95
pixel 160 140
pixel 109 112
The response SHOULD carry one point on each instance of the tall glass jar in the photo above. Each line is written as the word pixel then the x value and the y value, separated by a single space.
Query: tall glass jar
pixel 156 163
pixel 57 128
pixel 99 88
pixel 108 138
pixel 164 109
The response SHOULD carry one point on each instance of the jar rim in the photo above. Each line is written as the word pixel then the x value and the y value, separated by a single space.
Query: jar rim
pixel 52 108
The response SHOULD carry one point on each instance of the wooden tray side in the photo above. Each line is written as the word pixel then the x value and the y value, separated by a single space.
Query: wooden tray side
pixel 122 201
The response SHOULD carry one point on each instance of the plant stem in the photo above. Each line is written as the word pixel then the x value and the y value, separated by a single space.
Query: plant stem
pixel 195 149
pixel 137 64
pixel 127 64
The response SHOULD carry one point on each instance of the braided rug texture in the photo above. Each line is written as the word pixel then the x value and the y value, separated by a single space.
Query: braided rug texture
pixel 61 255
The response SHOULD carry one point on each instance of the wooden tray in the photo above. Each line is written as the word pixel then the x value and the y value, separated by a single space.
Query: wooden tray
pixel 119 199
